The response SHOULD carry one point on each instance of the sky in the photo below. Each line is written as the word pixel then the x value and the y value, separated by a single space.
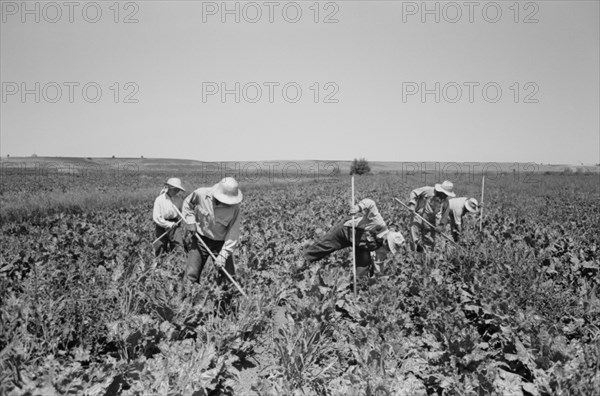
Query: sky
pixel 502 81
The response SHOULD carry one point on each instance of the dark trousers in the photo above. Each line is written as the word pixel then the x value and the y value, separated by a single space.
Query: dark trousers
pixel 340 237
pixel 422 235
pixel 198 255
pixel 169 241
pixel 454 228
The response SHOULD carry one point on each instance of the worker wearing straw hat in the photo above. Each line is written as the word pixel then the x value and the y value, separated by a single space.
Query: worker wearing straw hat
pixel 214 214
pixel 430 203
pixel 372 234
pixel 166 219
pixel 457 209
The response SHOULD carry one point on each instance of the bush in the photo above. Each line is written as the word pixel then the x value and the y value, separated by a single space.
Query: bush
pixel 360 167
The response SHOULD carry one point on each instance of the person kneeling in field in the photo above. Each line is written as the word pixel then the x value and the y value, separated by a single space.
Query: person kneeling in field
pixel 429 203
pixel 371 233
pixel 457 209
pixel 167 230
pixel 213 214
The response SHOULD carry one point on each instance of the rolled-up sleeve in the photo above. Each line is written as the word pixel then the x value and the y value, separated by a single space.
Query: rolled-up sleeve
pixel 414 195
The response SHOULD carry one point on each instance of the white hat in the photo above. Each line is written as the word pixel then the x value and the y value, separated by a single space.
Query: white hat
pixel 472 205
pixel 446 187
pixel 394 240
pixel 175 183
pixel 227 191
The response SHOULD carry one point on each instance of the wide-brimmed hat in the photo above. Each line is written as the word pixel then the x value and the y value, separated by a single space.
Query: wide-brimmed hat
pixel 394 240
pixel 472 205
pixel 227 191
pixel 446 187
pixel 175 183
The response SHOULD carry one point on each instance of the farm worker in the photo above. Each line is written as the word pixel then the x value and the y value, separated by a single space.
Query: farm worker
pixel 371 233
pixel 213 213
pixel 457 208
pixel 166 218
pixel 430 203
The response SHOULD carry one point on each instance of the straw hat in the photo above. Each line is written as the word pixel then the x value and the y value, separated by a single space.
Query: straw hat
pixel 394 240
pixel 446 187
pixel 227 191
pixel 175 183
pixel 472 205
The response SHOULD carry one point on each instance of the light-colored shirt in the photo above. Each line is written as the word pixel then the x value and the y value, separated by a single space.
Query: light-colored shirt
pixel 371 220
pixel 456 207
pixel 219 223
pixel 164 213
pixel 427 204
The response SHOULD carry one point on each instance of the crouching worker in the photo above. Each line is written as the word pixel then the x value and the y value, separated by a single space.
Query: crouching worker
pixel 457 209
pixel 372 234
pixel 166 219
pixel 213 213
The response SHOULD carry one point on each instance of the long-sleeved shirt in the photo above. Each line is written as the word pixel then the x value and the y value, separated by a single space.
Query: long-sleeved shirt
pixel 371 220
pixel 219 223
pixel 164 213
pixel 456 207
pixel 427 204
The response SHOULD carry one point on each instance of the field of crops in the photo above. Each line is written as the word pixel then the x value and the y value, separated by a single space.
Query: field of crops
pixel 87 309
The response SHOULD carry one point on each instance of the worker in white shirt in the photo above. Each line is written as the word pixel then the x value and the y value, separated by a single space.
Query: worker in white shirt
pixel 166 218
pixel 430 203
pixel 457 209
pixel 371 232
pixel 213 214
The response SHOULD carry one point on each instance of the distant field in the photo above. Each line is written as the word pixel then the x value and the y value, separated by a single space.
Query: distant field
pixel 188 165
pixel 39 185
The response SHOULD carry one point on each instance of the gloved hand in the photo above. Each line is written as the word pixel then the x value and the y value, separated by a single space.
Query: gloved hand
pixel 220 262
pixel 190 227
pixel 440 229
pixel 354 210
pixel 411 207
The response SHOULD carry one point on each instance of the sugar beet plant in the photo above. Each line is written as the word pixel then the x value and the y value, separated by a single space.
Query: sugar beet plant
pixel 86 308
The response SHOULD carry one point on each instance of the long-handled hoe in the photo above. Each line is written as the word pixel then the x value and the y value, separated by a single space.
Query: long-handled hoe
pixel 215 259
pixel 430 225
pixel 164 233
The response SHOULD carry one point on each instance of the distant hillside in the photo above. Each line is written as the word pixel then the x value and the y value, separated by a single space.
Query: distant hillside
pixel 184 166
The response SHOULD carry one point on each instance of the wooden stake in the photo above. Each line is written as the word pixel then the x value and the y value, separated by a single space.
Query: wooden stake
pixel 353 240
pixel 481 213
